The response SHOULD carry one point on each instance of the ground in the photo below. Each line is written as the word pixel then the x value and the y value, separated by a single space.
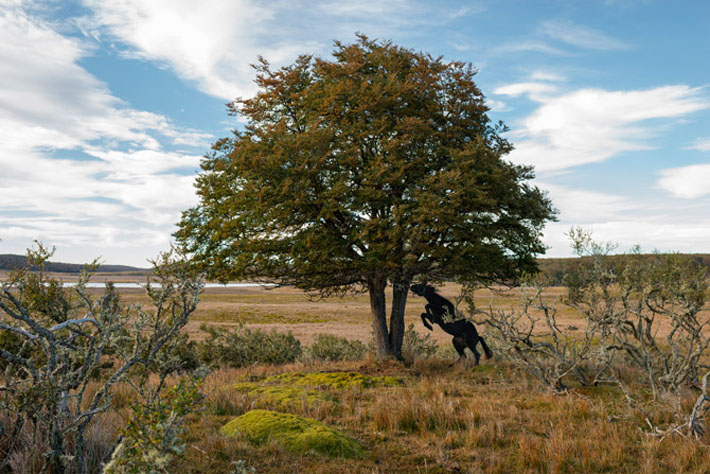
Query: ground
pixel 492 418
pixel 431 417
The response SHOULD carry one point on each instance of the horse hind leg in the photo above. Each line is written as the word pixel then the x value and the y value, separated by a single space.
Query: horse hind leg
pixel 459 343
pixel 472 339
pixel 486 349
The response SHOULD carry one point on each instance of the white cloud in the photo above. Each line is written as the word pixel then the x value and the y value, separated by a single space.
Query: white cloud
pixel 115 185
pixel 581 36
pixel 580 207
pixel 526 46
pixel 215 42
pixel 651 233
pixel 701 144
pixel 593 125
pixel 686 182
pixel 497 105
pixel 546 76
pixel 211 43
pixel 532 89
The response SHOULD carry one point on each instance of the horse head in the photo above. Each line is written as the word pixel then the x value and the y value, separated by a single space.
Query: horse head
pixel 419 289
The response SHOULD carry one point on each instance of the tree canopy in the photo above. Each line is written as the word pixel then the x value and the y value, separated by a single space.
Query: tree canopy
pixel 377 166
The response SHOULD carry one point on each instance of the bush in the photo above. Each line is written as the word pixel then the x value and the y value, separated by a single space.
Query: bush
pixel 625 301
pixel 152 435
pixel 332 348
pixel 184 354
pixel 243 346
pixel 69 337
pixel 416 346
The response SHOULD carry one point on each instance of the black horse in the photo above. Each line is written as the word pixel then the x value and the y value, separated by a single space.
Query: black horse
pixel 441 311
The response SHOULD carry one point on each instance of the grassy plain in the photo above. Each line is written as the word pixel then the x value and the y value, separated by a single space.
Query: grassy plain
pixel 440 419
pixel 443 419
pixel 289 309
pixel 492 418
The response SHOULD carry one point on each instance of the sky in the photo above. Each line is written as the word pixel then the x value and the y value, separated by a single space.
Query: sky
pixel 106 107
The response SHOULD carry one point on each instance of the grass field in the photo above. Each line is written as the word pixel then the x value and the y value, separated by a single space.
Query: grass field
pixel 289 309
pixel 491 418
pixel 435 417
pixel 443 419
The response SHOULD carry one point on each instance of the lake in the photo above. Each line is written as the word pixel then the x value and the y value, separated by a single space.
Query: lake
pixel 92 284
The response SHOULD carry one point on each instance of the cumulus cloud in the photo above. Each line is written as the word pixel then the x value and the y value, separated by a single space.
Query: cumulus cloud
pixel 211 43
pixel 654 224
pixel 63 179
pixel 214 43
pixel 661 233
pixel 686 182
pixel 593 125
pixel 535 90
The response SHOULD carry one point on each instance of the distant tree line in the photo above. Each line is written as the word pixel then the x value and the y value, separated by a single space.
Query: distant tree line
pixel 555 269
pixel 13 262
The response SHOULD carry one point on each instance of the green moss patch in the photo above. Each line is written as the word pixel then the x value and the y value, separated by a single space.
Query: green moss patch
pixel 296 434
pixel 283 397
pixel 334 379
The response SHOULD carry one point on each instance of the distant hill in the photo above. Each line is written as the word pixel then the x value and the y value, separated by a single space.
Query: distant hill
pixel 12 262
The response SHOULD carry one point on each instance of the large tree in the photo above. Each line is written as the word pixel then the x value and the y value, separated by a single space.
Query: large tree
pixel 375 167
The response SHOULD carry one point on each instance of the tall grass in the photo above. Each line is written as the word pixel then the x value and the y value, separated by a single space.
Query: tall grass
pixel 493 418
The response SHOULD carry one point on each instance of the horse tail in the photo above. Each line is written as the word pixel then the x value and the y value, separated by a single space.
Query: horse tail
pixel 486 349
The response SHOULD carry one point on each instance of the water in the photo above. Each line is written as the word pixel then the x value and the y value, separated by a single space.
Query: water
pixel 93 284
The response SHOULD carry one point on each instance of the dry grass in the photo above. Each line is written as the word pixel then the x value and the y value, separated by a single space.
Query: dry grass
pixel 445 419
pixel 461 419
pixel 289 309
pixel 491 418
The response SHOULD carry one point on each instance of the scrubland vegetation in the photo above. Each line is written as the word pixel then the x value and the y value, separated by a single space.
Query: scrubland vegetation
pixel 604 375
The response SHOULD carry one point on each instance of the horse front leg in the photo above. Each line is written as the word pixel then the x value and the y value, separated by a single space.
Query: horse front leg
pixel 432 315
pixel 425 316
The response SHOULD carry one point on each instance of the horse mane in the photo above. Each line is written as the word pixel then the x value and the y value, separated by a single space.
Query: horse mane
pixel 427 288
pixel 430 289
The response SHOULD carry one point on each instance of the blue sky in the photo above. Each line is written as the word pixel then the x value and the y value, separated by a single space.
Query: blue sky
pixel 107 106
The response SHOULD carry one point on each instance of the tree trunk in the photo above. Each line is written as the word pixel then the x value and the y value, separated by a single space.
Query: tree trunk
pixel 400 291
pixel 376 287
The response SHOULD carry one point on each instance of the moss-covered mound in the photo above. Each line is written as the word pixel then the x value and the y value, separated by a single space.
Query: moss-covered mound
pixel 334 379
pixel 294 433
pixel 283 397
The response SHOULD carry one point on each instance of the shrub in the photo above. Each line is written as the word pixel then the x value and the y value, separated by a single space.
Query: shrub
pixel 242 346
pixel 625 300
pixel 327 347
pixel 66 336
pixel 416 346
pixel 184 354
pixel 550 355
pixel 152 435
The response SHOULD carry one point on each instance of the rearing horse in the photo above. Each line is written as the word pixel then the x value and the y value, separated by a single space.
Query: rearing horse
pixel 441 311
